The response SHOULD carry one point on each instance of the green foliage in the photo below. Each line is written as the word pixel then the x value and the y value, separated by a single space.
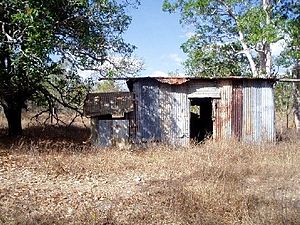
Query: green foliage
pixel 253 23
pixel 283 97
pixel 214 60
pixel 221 24
pixel 291 13
pixel 38 36
pixel 107 86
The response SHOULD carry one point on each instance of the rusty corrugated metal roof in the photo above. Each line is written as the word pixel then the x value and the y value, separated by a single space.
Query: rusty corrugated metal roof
pixel 183 79
pixel 187 78
pixel 173 80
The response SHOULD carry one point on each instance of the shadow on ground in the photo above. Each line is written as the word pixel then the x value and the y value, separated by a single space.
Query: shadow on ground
pixel 47 133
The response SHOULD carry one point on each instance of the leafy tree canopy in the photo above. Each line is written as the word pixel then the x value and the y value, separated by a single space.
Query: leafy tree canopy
pixel 232 30
pixel 37 36
pixel 290 11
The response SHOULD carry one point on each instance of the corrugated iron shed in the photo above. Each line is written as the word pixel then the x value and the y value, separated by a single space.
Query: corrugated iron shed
pixel 234 107
pixel 242 108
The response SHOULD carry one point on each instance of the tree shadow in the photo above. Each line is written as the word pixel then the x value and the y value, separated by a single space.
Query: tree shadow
pixel 46 133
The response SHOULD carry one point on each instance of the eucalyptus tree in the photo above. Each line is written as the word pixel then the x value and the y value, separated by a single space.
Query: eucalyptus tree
pixel 230 30
pixel 37 36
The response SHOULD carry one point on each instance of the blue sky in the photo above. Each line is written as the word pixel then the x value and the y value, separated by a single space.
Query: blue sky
pixel 158 36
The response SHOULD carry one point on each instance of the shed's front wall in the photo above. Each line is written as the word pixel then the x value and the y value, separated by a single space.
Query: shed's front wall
pixel 162 112
pixel 242 109
pixel 175 115
pixel 147 110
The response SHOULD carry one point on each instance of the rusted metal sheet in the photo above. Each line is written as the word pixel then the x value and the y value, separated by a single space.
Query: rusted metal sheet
pixel 237 110
pixel 223 110
pixel 258 111
pixel 245 111
pixel 113 103
pixel 173 80
pixel 241 109
pixel 203 89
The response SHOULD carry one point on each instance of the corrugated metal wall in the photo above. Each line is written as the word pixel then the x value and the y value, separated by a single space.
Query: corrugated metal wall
pixel 237 110
pixel 110 132
pixel 223 109
pixel 148 110
pixel 268 115
pixel 162 113
pixel 258 111
pixel 245 109
pixel 179 130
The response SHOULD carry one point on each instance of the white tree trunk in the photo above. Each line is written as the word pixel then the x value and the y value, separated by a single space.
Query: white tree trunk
pixel 265 54
pixel 241 37
pixel 265 60
pixel 247 52
pixel 268 60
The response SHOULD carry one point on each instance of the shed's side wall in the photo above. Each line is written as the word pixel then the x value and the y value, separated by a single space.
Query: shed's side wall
pixel 107 133
pixel 245 111
pixel 268 115
pixel 258 112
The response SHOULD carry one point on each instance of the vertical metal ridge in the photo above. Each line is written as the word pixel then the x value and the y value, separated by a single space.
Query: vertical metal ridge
pixel 237 110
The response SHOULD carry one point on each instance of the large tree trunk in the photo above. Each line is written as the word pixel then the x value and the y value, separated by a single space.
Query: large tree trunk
pixel 13 113
pixel 265 54
pixel 265 61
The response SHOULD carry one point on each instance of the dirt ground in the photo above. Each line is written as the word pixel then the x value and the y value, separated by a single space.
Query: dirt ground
pixel 51 177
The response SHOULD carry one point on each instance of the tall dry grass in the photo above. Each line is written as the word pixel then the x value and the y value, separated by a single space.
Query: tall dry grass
pixel 59 180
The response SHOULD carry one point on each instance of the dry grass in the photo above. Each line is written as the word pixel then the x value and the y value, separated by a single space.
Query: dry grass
pixel 62 181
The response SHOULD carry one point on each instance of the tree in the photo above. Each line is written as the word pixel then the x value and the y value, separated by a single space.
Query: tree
pixel 228 31
pixel 290 57
pixel 38 35
pixel 214 60
pixel 294 46
pixel 107 86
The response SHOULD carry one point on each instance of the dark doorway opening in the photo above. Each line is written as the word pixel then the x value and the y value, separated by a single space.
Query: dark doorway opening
pixel 201 122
